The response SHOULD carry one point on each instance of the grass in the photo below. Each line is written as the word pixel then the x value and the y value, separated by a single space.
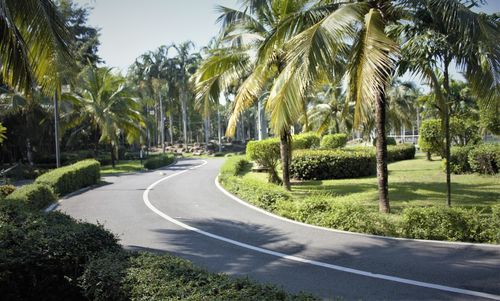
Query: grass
pixel 122 167
pixel 411 183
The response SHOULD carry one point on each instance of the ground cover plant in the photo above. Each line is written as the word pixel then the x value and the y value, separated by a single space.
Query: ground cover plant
pixel 417 195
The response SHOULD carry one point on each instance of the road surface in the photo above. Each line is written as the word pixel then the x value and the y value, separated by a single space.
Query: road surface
pixel 179 209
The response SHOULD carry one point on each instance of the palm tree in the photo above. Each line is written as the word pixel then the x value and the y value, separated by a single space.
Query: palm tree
pixel 185 63
pixel 447 31
pixel 3 132
pixel 103 98
pixel 34 42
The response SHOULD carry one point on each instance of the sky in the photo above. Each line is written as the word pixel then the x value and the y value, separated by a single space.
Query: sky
pixel 130 28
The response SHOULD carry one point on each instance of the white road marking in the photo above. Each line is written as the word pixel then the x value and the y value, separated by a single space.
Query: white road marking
pixel 145 197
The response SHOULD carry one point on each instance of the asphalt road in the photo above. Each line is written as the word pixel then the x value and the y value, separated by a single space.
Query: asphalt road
pixel 179 209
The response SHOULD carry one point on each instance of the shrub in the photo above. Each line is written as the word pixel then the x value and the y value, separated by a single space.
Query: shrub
pixel 5 190
pixel 305 141
pixel 389 140
pixel 459 159
pixel 331 164
pixel 70 178
pixel 400 152
pixel 430 138
pixel 333 141
pixel 492 231
pixel 44 254
pixel 439 223
pixel 36 196
pixel 485 158
pixel 267 154
pixel 464 131
pixel 158 161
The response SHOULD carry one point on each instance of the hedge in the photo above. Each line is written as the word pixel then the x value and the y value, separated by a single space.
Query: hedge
pixel 70 178
pixel 389 141
pixel 36 196
pixel 485 159
pixel 459 160
pixel 5 190
pixel 305 141
pixel 333 141
pixel 400 152
pixel 332 164
pixel 159 161
pixel 267 154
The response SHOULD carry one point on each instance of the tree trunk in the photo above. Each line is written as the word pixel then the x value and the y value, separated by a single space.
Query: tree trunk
pixel 207 132
pixel 285 152
pixel 447 145
pixel 184 118
pixel 170 127
pixel 381 144
pixel 219 129
pixel 113 159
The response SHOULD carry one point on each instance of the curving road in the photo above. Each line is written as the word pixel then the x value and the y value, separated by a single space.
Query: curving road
pixel 179 209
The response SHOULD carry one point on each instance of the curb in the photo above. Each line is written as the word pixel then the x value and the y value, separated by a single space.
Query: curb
pixel 53 206
pixel 245 203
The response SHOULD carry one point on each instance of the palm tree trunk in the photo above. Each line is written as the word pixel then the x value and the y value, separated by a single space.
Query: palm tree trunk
pixel 446 86
pixel 113 159
pixel 285 152
pixel 207 132
pixel 381 145
pixel 184 118
pixel 170 127
pixel 219 129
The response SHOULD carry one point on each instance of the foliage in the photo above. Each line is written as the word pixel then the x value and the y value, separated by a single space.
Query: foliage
pixel 464 131
pixel 5 190
pixel 431 136
pixel 266 153
pixel 305 141
pixel 70 178
pixel 159 161
pixel 333 141
pixel 459 159
pixel 43 254
pixel 3 131
pixel 331 164
pixel 439 223
pixel 485 159
pixel 405 151
pixel 36 196
pixel 389 140
pixel 492 232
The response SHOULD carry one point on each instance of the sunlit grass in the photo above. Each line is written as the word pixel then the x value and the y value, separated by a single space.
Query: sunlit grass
pixel 122 167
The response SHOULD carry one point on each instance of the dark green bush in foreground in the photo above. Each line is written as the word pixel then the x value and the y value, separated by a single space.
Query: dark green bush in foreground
pixel 70 178
pixel 36 196
pixel 333 141
pixel 159 161
pixel 331 164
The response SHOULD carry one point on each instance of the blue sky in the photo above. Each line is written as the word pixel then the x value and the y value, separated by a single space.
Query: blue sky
pixel 131 27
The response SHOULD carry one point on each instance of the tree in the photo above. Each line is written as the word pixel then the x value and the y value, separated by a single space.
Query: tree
pixel 104 99
pixel 34 42
pixel 3 132
pixel 447 31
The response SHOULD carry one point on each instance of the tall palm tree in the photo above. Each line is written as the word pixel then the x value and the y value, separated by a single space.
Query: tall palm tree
pixel 34 42
pixel 448 31
pixel 103 98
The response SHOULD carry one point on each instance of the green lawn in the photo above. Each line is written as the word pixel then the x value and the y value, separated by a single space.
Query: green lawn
pixel 413 182
pixel 122 167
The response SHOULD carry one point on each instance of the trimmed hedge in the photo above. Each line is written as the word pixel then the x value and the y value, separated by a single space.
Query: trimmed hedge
pixel 70 178
pixel 400 152
pixel 305 141
pixel 459 160
pixel 36 196
pixel 440 223
pixel 333 141
pixel 267 154
pixel 389 140
pixel 485 159
pixel 159 161
pixel 332 164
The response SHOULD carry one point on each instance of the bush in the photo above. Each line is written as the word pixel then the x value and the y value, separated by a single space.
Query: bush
pixel 485 159
pixel 492 232
pixel 331 164
pixel 430 138
pixel 5 190
pixel 459 160
pixel 158 161
pixel 267 154
pixel 389 140
pixel 42 255
pixel 305 141
pixel 70 178
pixel 333 141
pixel 439 223
pixel 36 196
pixel 400 152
